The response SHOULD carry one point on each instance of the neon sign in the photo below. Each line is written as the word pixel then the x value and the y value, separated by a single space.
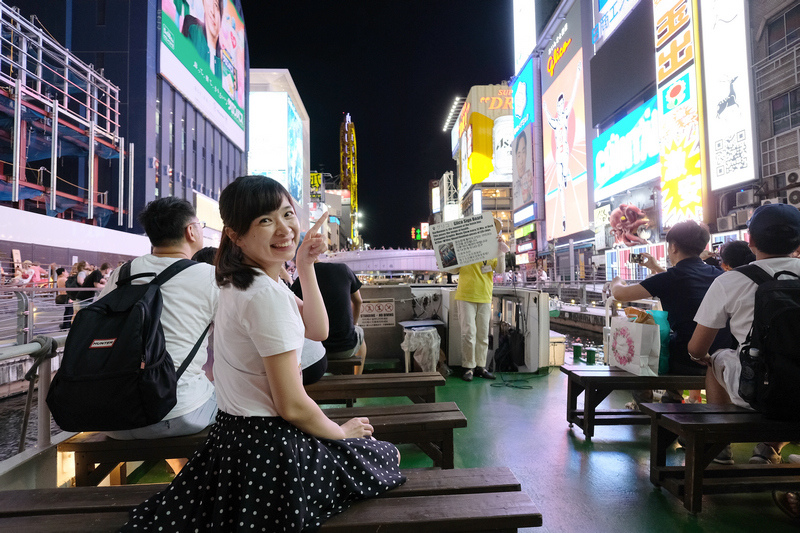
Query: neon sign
pixel 553 60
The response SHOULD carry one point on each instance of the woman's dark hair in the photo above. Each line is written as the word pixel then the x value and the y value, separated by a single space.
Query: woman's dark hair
pixel 240 203
pixel 689 237
pixel 736 253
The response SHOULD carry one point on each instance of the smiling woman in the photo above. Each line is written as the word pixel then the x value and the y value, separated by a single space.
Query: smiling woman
pixel 267 427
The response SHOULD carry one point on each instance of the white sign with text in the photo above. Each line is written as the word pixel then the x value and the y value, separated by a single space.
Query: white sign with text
pixel 464 241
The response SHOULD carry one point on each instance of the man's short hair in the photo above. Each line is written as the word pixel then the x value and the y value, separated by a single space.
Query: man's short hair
pixel 775 229
pixel 689 237
pixel 165 220
pixel 59 271
pixel 736 253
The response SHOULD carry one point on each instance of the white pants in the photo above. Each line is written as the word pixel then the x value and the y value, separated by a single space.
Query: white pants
pixel 474 320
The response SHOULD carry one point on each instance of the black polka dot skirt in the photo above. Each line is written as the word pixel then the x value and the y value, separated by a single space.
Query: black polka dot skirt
pixel 264 474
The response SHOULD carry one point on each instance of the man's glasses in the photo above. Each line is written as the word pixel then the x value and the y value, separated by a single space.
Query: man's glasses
pixel 199 223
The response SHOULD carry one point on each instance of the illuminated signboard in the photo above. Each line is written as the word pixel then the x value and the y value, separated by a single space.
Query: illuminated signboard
pixel 526 214
pixel 627 154
pixel 315 183
pixel 212 77
pixel 680 124
pixel 477 202
pixel 502 160
pixel 436 200
pixel 564 135
pixel 334 220
pixel 524 31
pixel 726 75
pixel 524 104
pixel 527 247
pixel 522 183
pixel 294 149
pixel 608 15
pixel 269 136
pixel 424 226
pixel 524 231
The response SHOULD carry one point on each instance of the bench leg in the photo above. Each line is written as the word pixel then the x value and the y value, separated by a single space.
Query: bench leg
pixel 86 474
pixel 696 452
pixel 574 389
pixel 591 399
pixel 660 440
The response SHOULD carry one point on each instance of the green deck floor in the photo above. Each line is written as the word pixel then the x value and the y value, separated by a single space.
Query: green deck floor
pixel 600 486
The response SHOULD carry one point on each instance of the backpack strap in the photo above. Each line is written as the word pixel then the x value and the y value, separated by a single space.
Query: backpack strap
pixel 755 273
pixel 191 355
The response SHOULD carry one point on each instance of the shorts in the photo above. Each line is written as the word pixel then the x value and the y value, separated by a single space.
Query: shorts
pixel 188 424
pixel 727 368
pixel 347 354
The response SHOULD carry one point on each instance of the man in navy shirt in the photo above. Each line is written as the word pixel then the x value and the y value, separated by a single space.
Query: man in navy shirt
pixel 680 288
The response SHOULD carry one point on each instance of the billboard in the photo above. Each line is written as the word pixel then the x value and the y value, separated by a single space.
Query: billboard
pixel 627 154
pixel 524 104
pixel 726 74
pixel 564 132
pixel 608 15
pixel 522 184
pixel 680 127
pixel 202 55
pixel 276 140
pixel 524 31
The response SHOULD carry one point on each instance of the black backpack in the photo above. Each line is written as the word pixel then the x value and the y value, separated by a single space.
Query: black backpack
pixel 770 356
pixel 116 373
pixel 72 283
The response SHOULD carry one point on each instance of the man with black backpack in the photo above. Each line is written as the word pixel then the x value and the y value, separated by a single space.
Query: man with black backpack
pixel 189 305
pixel 746 297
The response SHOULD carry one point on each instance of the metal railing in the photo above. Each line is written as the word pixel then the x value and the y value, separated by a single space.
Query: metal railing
pixel 45 369
pixel 26 312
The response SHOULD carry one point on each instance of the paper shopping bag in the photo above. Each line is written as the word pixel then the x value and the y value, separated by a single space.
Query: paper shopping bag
pixel 635 347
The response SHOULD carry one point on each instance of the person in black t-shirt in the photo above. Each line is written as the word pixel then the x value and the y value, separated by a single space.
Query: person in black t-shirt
pixel 680 288
pixel 340 292
pixel 97 280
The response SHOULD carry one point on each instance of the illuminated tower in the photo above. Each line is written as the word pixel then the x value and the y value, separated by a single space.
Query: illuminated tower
pixel 348 170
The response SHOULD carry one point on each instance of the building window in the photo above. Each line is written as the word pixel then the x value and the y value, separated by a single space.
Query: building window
pixel 783 31
pixel 786 112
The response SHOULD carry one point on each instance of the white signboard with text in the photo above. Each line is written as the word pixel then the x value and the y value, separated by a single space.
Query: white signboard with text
pixel 377 313
pixel 464 241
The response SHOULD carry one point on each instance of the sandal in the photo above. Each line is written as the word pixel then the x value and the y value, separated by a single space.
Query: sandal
pixel 788 502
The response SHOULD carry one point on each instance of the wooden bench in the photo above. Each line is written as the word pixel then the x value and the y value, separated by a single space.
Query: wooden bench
pixel 343 366
pixel 430 426
pixel 420 387
pixel 596 382
pixel 706 430
pixel 479 499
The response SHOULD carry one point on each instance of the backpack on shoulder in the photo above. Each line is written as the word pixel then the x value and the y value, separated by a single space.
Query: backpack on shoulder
pixel 116 373
pixel 72 283
pixel 770 356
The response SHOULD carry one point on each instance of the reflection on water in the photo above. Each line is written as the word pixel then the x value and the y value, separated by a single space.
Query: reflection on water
pixel 11 413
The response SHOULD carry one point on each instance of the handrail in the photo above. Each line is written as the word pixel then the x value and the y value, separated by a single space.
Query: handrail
pixel 44 377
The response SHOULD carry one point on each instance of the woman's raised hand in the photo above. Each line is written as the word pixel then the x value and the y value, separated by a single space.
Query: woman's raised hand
pixel 357 427
pixel 313 244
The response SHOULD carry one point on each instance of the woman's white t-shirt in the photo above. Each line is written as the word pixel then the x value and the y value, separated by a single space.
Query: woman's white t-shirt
pixel 261 321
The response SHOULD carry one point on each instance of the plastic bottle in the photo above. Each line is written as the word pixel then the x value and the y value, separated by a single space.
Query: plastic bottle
pixel 751 365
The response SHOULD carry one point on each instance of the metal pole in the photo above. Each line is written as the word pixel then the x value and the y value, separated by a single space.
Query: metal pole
pixel 17 135
pixel 120 204
pixel 54 157
pixel 43 429
pixel 130 185
pixel 90 207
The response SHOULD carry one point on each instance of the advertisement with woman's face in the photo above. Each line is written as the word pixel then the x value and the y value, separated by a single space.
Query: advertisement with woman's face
pixel 522 162
pixel 202 55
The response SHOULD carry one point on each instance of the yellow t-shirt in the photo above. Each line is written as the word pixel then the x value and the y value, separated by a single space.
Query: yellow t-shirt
pixel 476 286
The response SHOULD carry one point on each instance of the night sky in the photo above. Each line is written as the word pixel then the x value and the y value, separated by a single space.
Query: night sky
pixel 395 66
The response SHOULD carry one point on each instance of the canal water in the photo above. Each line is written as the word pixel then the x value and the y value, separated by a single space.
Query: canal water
pixel 12 410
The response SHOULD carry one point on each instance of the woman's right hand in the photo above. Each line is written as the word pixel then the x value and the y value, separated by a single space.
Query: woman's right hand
pixel 357 427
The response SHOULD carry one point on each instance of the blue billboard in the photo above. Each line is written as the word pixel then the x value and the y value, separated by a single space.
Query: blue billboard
pixel 627 154
pixel 522 89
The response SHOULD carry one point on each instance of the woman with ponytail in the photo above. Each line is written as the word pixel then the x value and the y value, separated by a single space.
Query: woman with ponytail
pixel 273 461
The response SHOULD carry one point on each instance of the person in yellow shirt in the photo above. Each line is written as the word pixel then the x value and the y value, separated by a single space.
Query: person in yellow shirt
pixel 474 296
